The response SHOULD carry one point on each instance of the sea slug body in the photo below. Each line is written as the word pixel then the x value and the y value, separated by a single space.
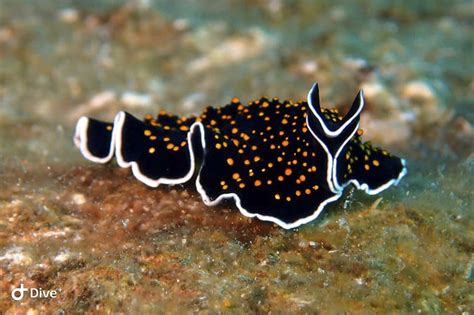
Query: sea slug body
pixel 280 161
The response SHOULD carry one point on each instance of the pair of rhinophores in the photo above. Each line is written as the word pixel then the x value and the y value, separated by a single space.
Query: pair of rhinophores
pixel 280 161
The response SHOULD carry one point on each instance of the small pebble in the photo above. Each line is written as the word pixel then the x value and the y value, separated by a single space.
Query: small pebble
pixel 372 89
pixel 16 256
pixel 133 99
pixel 62 257
pixel 309 67
pixel 68 15
pixel 6 34
pixel 101 99
pixel 79 199
pixel 303 244
pixel 181 24
pixel 360 281
pixel 418 91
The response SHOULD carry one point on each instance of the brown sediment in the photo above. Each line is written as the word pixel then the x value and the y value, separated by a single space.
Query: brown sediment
pixel 125 246
pixel 113 195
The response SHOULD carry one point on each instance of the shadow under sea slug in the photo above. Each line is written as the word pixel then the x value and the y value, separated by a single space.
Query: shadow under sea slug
pixel 280 161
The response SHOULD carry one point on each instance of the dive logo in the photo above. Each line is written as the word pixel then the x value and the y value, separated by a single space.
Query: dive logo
pixel 19 293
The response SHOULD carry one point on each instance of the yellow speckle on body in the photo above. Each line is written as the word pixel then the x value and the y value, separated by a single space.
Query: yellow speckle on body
pixel 257 183
pixel 151 150
pixel 230 161
pixel 277 197
pixel 147 133
pixel 244 136
pixel 376 163
pixel 366 167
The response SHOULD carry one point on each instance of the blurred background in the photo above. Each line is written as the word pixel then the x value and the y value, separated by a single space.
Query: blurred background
pixel 113 245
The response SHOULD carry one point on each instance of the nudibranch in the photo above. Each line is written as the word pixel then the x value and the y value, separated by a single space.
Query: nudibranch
pixel 280 161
